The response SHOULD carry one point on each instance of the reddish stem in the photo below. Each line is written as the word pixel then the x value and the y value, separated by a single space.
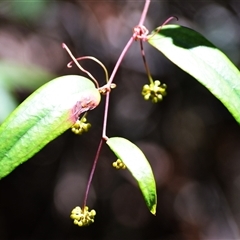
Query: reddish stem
pixel 145 62
pixel 129 43
pixel 108 85
pixel 92 172
pixel 144 12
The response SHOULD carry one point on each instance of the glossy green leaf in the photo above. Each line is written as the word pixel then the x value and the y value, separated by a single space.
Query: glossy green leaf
pixel 44 115
pixel 197 56
pixel 139 166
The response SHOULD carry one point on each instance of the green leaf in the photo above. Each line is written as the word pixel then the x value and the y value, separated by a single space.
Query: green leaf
pixel 44 115
pixel 139 166
pixel 197 56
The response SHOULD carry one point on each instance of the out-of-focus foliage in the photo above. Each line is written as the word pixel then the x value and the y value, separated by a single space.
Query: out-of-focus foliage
pixel 25 10
pixel 190 139
pixel 14 76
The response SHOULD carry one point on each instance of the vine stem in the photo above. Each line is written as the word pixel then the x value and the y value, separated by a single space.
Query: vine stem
pixel 144 12
pixel 108 86
pixel 122 55
pixel 145 62
pixel 92 172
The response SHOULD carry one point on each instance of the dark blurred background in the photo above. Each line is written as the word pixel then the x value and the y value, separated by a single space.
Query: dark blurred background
pixel 190 139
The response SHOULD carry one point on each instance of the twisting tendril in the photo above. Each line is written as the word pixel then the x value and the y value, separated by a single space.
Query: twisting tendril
pixel 140 32
pixel 160 27
pixel 75 60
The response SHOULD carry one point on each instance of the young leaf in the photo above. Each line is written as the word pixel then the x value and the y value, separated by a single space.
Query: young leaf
pixel 48 112
pixel 138 165
pixel 197 56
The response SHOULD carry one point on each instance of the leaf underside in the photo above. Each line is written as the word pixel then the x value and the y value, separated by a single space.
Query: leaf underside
pixel 44 115
pixel 195 55
pixel 139 166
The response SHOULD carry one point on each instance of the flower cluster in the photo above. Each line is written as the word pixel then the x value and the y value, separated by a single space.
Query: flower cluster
pixel 154 91
pixel 82 217
pixel 119 164
pixel 81 126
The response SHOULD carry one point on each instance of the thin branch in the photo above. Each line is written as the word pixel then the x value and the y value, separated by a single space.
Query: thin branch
pixel 122 55
pixel 144 12
pixel 145 62
pixel 92 172
pixel 108 85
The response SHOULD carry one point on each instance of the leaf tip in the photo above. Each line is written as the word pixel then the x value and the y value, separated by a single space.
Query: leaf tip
pixel 153 209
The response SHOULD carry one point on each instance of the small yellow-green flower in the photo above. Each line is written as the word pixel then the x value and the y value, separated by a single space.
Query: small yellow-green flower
pixel 81 126
pixel 154 91
pixel 119 164
pixel 82 217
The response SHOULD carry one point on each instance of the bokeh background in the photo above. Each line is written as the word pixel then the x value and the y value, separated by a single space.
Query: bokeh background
pixel 190 139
